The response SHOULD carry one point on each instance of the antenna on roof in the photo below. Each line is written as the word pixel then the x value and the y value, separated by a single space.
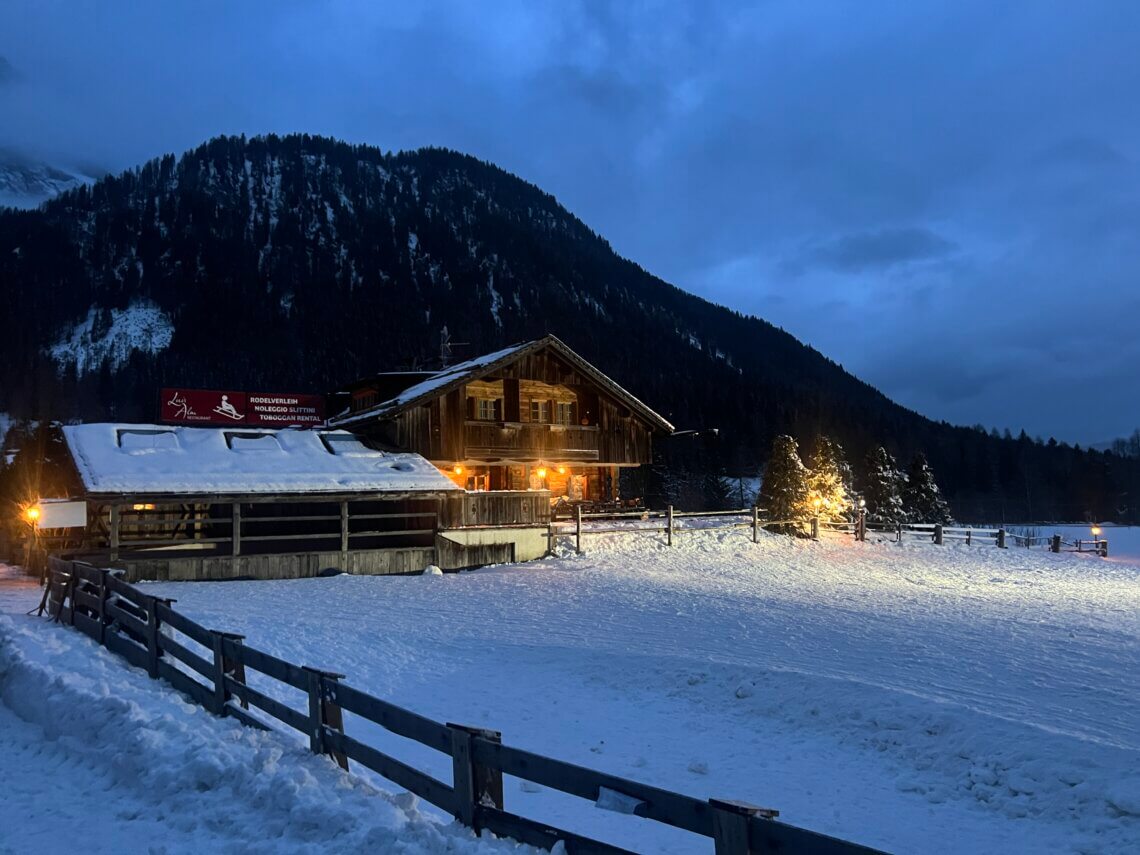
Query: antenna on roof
pixel 445 345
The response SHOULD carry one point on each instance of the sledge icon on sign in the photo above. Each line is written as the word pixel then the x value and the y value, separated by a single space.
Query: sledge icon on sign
pixel 225 408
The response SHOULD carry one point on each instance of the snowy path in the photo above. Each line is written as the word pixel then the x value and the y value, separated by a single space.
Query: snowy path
pixel 964 699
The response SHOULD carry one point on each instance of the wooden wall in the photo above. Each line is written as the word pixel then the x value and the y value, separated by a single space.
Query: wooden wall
pixel 372 562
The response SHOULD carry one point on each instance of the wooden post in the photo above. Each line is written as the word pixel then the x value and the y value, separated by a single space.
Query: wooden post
pixel 815 528
pixel 1001 538
pixel 669 528
pixel 344 537
pixel 226 667
pixel 1055 543
pixel 475 785
pixel 1103 548
pixel 730 825
pixel 550 538
pixel 152 651
pixel 578 529
pixel 235 530
pixel 103 592
pixel 969 536
pixel 114 532
pixel 755 524
pixel 324 712
pixel 898 532
pixel 938 534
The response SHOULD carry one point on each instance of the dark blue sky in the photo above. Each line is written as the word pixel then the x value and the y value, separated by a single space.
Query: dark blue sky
pixel 942 196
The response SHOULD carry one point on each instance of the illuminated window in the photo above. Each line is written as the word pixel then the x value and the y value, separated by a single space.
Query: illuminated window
pixel 489 409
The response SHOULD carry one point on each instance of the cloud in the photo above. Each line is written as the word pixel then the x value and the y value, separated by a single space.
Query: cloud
pixel 8 74
pixel 879 250
pixel 977 162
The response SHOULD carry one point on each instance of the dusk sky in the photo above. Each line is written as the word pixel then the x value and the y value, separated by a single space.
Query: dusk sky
pixel 944 197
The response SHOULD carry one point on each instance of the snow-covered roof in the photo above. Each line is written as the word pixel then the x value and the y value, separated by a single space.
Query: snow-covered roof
pixel 462 372
pixel 160 459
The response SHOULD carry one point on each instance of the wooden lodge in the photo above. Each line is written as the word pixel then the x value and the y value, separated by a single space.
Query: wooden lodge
pixel 536 416
pixel 459 467
pixel 188 503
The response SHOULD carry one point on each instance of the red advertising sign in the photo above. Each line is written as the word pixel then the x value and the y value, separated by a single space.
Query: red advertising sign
pixel 252 409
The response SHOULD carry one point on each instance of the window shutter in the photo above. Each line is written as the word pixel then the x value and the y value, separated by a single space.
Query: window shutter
pixel 470 408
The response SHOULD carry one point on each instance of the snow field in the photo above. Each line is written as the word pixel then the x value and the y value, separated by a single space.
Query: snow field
pixel 910 697
pixel 92 749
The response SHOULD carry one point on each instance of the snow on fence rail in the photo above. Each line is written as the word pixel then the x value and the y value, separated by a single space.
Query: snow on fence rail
pixel 148 633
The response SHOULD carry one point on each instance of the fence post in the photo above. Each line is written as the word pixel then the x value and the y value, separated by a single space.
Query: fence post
pixel 1103 549
pixel 578 529
pixel 103 592
pixel 333 714
pixel 226 667
pixel 938 534
pixel 669 527
pixel 475 785
pixel 969 536
pixel 1001 538
pixel 755 524
pixel 1055 543
pixel 324 711
pixel 730 825
pixel 815 528
pixel 898 532
pixel 152 651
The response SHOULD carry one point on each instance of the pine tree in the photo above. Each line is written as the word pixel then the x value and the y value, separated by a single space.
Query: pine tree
pixel 921 496
pixel 882 488
pixel 784 490
pixel 829 479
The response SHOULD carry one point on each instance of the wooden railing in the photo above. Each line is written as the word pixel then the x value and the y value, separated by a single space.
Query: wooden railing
pixel 552 442
pixel 150 634
pixel 502 508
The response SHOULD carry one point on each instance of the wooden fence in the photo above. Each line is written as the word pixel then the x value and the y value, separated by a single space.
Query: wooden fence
pixel 664 522
pixel 150 634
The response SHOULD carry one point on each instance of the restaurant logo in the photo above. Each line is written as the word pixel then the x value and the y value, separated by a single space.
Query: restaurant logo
pixel 255 409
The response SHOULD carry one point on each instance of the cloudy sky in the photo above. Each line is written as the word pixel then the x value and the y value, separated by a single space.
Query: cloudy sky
pixel 942 196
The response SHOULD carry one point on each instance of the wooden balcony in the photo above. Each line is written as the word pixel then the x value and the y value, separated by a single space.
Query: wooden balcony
pixel 528 441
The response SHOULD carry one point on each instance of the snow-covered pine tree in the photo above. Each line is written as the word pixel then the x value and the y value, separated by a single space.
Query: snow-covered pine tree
pixel 829 479
pixel 921 496
pixel 882 488
pixel 784 490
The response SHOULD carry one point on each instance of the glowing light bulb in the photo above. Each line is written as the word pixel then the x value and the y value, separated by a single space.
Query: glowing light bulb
pixel 458 470
pixel 32 514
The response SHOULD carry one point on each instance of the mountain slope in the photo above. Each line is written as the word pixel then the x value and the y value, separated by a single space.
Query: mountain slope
pixel 300 262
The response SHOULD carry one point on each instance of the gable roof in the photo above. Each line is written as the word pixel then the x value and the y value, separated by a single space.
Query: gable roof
pixel 464 372
pixel 160 459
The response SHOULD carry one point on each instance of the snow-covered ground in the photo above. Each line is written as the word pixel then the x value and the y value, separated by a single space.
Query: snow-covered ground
pixel 96 757
pixel 1123 541
pixel 916 698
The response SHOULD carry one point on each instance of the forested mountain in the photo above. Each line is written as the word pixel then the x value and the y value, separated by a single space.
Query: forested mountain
pixel 298 263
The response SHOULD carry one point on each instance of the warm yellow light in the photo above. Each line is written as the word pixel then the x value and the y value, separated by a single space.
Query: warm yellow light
pixel 561 470
pixel 32 514
pixel 458 470
pixel 817 503
pixel 541 472
pixel 862 503
pixel 142 507
pixel 1096 530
